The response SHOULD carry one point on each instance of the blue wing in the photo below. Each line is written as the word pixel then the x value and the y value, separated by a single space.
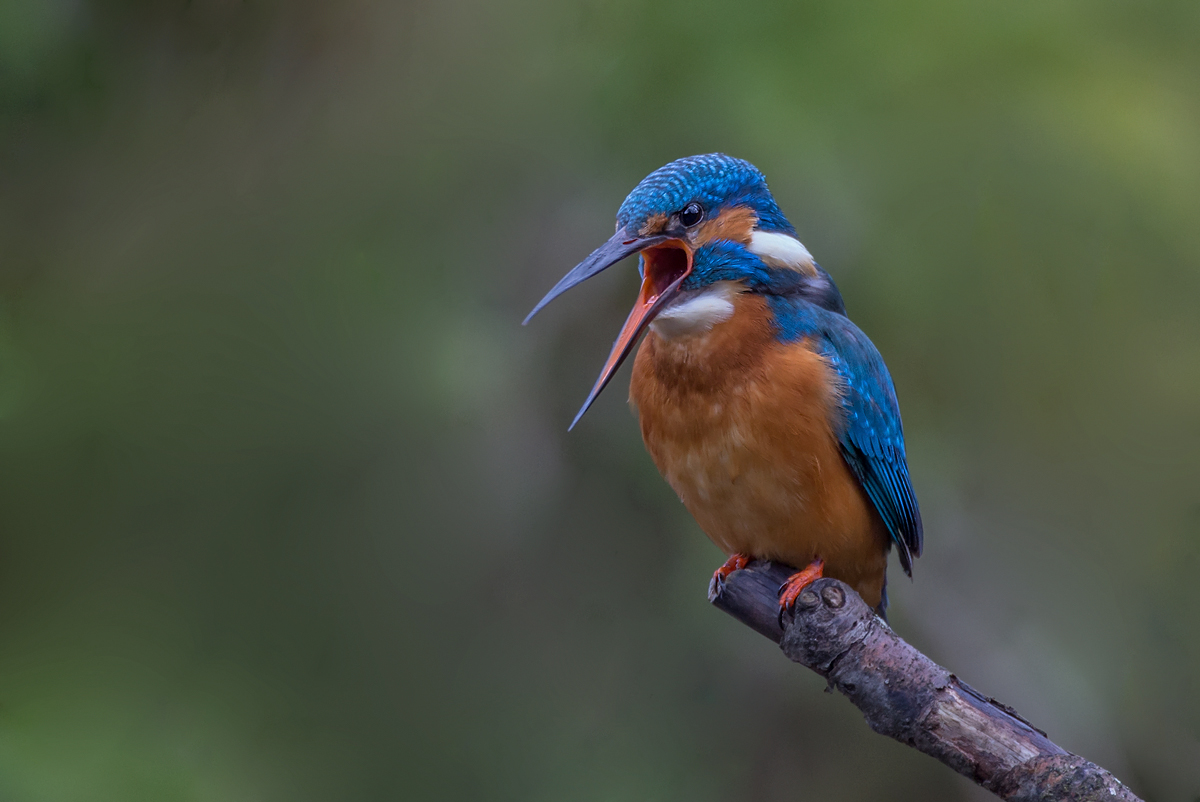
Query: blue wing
pixel 869 432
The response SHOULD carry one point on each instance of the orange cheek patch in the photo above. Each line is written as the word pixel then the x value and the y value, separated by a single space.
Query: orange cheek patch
pixel 654 224
pixel 735 224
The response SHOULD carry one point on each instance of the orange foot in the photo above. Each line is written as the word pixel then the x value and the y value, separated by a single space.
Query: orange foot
pixel 736 562
pixel 798 581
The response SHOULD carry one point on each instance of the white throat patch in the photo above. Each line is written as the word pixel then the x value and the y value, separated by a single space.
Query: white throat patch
pixel 697 313
pixel 782 250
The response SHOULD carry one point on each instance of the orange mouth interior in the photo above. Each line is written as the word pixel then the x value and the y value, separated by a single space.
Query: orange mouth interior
pixel 666 264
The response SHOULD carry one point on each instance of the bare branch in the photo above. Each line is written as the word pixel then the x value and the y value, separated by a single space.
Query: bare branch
pixel 905 695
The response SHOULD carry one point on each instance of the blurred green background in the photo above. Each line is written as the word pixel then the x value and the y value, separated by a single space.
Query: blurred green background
pixel 288 506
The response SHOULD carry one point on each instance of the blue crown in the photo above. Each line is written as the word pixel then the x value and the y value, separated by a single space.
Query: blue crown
pixel 714 180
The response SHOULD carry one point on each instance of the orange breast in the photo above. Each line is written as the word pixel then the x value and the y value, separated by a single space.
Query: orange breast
pixel 739 424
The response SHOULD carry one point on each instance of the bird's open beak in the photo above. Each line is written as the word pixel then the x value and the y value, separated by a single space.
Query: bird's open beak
pixel 668 263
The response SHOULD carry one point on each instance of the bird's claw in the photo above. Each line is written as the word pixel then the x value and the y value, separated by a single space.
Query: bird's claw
pixel 790 590
pixel 736 562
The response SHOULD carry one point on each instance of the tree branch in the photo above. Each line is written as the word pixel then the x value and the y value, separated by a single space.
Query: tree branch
pixel 905 695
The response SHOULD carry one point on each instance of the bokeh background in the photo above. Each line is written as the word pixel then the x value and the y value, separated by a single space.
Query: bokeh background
pixel 288 506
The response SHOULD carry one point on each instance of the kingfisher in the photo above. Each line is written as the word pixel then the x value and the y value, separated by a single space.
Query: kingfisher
pixel 770 414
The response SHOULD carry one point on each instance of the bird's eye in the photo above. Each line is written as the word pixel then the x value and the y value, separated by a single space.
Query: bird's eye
pixel 692 213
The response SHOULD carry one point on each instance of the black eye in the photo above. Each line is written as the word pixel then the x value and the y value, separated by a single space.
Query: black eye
pixel 692 213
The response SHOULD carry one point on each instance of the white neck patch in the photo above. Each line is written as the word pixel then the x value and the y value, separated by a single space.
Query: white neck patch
pixel 781 250
pixel 697 313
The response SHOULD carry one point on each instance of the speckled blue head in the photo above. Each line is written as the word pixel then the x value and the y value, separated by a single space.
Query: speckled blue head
pixel 698 221
pixel 715 181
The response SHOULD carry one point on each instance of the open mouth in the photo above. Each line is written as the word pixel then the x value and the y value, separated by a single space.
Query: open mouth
pixel 668 262
pixel 666 267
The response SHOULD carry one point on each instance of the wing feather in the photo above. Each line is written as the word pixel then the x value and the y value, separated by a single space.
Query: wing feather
pixel 871 436
pixel 869 431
